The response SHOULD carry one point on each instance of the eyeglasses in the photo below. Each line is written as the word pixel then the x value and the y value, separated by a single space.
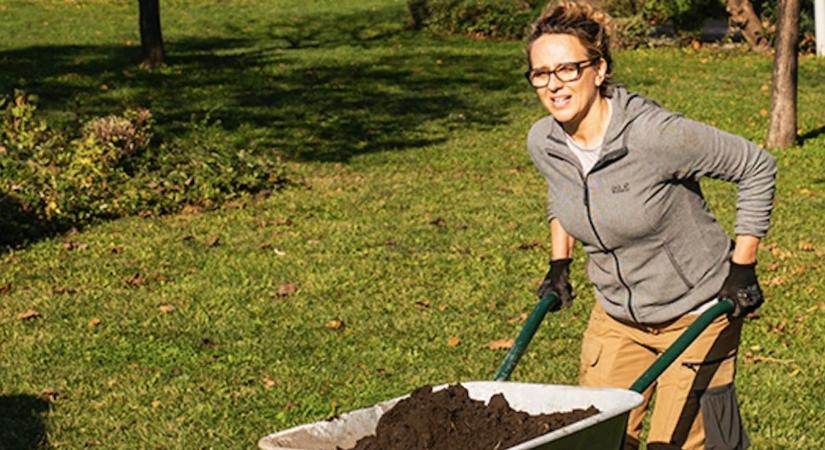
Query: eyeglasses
pixel 565 72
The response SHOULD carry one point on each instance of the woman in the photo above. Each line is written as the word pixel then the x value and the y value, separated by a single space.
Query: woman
pixel 623 179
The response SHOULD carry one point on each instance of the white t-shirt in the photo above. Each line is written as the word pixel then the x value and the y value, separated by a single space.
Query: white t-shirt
pixel 589 156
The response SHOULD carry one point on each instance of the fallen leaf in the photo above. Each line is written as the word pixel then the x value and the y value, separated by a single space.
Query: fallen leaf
pixel 191 210
pixel 778 280
pixel 278 252
pixel 695 44
pixel 268 383
pixel 49 395
pixel 518 319
pixel 334 324
pixel 529 245
pixel 64 290
pixel 166 309
pixel 29 314
pixel 806 246
pixel 777 252
pixel 286 289
pixel 104 87
pixel 155 404
pixel 799 270
pixel 763 112
pixel 117 249
pixel 501 344
pixel 213 241
pixel 442 307
pixel 71 245
pixel 780 328
pixel 422 304
pixel 283 221
pixel 93 323
pixel 136 280
pixel 289 406
pixel 453 341
pixel 807 192
pixel 265 246
pixel 438 222
pixel 233 204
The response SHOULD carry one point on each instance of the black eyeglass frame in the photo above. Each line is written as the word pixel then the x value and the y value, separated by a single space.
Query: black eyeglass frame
pixel 579 66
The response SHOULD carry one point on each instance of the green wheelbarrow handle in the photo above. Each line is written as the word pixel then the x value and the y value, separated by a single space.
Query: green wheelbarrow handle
pixel 723 306
pixel 527 331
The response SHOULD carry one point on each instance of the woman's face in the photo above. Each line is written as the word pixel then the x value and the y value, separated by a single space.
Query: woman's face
pixel 568 102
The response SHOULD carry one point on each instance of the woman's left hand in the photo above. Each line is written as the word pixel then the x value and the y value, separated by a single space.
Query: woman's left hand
pixel 742 287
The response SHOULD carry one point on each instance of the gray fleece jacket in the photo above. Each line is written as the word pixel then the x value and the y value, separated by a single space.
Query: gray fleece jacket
pixel 654 249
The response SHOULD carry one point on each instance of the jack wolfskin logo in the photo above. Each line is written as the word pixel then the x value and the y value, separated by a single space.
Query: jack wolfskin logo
pixel 619 188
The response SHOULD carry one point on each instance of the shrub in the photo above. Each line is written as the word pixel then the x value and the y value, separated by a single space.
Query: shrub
pixel 507 19
pixel 634 20
pixel 108 167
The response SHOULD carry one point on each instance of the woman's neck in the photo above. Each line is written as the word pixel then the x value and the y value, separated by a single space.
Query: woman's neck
pixel 589 131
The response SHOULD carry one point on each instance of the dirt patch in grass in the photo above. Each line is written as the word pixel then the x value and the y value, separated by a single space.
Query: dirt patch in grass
pixel 450 420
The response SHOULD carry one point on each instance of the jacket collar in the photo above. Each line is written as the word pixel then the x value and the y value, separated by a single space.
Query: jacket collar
pixel 626 108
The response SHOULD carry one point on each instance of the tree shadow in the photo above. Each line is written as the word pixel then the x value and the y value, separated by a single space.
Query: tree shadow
pixel 324 89
pixel 812 134
pixel 19 225
pixel 22 425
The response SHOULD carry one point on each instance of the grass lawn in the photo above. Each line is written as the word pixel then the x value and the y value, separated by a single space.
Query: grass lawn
pixel 415 216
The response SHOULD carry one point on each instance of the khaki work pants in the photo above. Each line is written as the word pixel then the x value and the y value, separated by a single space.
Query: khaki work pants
pixel 695 405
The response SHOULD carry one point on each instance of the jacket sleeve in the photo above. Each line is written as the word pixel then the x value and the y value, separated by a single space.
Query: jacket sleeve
pixel 534 147
pixel 692 150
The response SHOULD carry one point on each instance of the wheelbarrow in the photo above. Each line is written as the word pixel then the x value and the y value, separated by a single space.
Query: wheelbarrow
pixel 605 430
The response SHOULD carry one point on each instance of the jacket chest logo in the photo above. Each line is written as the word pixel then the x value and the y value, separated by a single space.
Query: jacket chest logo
pixel 619 188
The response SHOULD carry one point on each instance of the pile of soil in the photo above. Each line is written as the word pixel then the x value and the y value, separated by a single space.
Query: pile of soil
pixel 450 420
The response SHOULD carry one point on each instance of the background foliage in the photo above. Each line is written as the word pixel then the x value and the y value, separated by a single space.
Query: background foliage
pixel 635 21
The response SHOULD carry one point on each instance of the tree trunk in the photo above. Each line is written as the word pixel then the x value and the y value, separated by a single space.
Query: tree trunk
pixel 782 128
pixel 743 17
pixel 151 40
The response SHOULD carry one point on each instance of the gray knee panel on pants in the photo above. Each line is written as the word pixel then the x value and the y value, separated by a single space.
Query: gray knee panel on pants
pixel 720 415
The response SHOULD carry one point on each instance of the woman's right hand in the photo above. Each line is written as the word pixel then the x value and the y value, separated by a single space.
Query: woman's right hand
pixel 557 281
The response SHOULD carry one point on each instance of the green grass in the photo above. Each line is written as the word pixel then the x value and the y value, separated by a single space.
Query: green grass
pixel 413 202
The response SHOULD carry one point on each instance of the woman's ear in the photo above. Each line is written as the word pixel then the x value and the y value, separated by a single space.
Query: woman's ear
pixel 601 72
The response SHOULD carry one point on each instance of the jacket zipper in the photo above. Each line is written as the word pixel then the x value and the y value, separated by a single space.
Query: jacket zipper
pixel 599 164
pixel 604 247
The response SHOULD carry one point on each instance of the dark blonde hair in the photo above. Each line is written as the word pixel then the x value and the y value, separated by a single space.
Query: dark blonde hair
pixel 581 19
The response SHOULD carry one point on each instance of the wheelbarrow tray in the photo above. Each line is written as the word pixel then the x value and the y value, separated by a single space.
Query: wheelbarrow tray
pixel 603 431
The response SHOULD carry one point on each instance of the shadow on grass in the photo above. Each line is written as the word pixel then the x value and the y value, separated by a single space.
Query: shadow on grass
pixel 22 425
pixel 812 134
pixel 19 226
pixel 324 89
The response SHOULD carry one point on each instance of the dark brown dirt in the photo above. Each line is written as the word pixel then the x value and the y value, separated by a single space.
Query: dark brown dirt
pixel 450 420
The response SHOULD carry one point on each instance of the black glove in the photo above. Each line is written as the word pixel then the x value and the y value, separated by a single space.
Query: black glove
pixel 741 287
pixel 557 281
